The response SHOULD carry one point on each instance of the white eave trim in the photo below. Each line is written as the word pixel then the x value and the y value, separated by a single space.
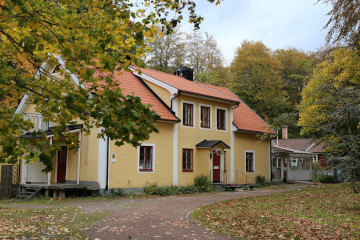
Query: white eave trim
pixel 215 99
pixel 296 151
pixel 168 87
pixel 23 104
pixel 307 150
pixel 73 76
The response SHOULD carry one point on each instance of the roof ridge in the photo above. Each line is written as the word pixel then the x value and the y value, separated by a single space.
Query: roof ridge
pixel 212 90
pixel 160 72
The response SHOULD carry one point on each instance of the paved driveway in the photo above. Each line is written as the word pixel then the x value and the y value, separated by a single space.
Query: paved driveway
pixel 154 218
pixel 159 218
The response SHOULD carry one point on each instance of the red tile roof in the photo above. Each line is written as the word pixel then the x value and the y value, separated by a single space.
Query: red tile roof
pixel 185 85
pixel 245 119
pixel 131 85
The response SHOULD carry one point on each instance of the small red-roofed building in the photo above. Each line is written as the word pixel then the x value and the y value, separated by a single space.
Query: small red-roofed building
pixel 293 159
pixel 204 129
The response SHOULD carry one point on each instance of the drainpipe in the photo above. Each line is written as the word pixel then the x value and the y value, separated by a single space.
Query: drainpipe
pixel 178 95
pixel 107 163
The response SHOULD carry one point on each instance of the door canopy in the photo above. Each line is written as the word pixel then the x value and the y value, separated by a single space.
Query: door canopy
pixel 212 143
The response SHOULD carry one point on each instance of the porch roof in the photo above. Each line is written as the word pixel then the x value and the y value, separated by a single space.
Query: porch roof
pixel 288 150
pixel 211 143
pixel 33 135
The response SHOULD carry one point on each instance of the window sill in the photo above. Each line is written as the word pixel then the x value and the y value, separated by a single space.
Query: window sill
pixel 250 171
pixel 188 170
pixel 142 170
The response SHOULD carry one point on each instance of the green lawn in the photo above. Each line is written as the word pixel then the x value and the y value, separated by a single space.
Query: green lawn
pixel 50 223
pixel 322 212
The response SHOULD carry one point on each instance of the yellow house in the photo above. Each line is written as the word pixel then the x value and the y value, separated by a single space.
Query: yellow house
pixel 203 130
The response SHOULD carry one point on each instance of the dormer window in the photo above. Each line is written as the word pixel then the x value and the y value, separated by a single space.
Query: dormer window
pixel 188 114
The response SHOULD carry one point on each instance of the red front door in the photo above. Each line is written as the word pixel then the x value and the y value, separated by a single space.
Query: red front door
pixel 61 169
pixel 216 167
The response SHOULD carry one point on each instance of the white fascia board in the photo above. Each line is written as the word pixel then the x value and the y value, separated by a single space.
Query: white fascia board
pixel 73 76
pixel 168 87
pixel 214 99
pixel 311 145
pixel 22 106
pixel 296 151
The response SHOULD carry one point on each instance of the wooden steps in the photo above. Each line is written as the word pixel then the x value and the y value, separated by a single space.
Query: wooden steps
pixel 28 193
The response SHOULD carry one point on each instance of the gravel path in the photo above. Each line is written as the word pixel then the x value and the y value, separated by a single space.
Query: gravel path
pixel 154 218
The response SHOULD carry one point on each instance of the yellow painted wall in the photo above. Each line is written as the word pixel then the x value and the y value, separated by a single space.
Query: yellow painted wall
pixel 89 168
pixel 124 172
pixel 30 109
pixel 248 141
pixel 190 136
pixel 161 92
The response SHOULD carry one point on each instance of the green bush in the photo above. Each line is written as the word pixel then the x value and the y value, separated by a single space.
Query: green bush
pixel 166 191
pixel 318 172
pixel 326 179
pixel 202 183
pixel 188 189
pixel 115 192
pixel 260 181
pixel 150 188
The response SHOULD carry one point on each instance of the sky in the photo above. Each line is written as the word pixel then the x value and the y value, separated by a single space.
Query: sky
pixel 277 23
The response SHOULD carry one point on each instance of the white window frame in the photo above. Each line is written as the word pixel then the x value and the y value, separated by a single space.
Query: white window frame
pixel 182 110
pixel 226 119
pixel 209 106
pixel 153 157
pixel 253 152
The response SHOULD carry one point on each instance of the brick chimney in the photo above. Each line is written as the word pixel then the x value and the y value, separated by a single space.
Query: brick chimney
pixel 284 132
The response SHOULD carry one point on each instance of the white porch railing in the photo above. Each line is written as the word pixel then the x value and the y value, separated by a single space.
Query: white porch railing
pixel 38 121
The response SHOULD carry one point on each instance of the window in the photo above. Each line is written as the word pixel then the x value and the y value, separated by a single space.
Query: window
pixel 220 119
pixel 205 117
pixel 146 158
pixel 188 114
pixel 187 160
pixel 250 160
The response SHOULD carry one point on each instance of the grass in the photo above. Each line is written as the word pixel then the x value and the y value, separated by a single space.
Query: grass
pixel 53 223
pixel 321 212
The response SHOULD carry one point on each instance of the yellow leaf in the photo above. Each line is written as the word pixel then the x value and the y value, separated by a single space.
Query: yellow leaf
pixel 17 9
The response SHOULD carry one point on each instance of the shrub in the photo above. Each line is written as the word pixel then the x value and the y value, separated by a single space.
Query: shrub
pixel 150 188
pixel 115 192
pixel 326 179
pixel 188 189
pixel 318 171
pixel 165 191
pixel 202 183
pixel 260 181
